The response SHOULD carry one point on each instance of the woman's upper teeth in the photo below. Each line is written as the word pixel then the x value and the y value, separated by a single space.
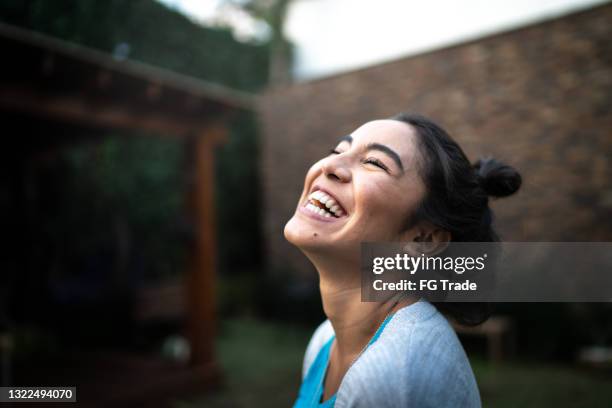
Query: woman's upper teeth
pixel 329 202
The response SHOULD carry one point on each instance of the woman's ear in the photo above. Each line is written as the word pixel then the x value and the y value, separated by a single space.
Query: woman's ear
pixel 426 238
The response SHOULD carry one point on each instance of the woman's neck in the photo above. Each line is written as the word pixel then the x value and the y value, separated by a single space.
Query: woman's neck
pixel 354 322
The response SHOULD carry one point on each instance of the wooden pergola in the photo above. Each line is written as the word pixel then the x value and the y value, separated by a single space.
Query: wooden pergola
pixel 68 84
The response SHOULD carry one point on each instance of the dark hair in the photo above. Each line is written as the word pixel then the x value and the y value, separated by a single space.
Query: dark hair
pixel 457 197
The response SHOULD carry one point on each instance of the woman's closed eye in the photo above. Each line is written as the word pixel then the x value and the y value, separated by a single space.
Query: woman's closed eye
pixel 377 163
pixel 369 160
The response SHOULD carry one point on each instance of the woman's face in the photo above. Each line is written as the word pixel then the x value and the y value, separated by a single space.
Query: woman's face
pixel 373 186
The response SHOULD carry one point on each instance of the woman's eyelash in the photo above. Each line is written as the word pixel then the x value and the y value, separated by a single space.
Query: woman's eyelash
pixel 376 162
pixel 370 160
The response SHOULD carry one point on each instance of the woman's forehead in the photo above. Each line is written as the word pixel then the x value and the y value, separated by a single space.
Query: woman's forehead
pixel 395 134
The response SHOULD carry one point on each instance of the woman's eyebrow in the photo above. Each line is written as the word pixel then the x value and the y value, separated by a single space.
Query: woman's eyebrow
pixel 388 151
pixel 377 146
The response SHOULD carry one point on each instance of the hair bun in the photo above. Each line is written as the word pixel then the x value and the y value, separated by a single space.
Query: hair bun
pixel 496 178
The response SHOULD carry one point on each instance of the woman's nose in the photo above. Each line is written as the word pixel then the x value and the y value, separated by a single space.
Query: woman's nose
pixel 336 171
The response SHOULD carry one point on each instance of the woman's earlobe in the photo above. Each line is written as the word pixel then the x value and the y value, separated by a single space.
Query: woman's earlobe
pixel 441 235
pixel 430 248
pixel 430 241
pixel 440 239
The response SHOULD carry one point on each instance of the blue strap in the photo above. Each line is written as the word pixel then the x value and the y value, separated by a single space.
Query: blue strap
pixel 311 389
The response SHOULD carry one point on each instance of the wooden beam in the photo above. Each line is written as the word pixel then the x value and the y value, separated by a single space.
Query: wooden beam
pixel 110 114
pixel 201 276
pixel 92 60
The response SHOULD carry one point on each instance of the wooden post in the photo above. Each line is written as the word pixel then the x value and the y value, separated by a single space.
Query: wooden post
pixel 201 279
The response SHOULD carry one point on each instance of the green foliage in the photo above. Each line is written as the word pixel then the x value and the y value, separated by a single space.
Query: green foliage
pixel 238 198
pixel 114 207
pixel 522 384
pixel 107 215
pixel 262 362
pixel 123 196
pixel 154 33
pixel 129 176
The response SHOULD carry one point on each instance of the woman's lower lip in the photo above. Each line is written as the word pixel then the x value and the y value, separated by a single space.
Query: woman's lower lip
pixel 318 217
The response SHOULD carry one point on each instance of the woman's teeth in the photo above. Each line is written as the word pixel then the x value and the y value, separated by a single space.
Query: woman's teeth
pixel 318 210
pixel 318 200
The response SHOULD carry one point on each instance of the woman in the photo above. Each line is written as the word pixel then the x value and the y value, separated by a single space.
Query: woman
pixel 395 180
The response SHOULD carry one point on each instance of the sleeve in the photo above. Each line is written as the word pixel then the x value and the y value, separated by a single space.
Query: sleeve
pixel 440 374
pixel 425 368
pixel 321 335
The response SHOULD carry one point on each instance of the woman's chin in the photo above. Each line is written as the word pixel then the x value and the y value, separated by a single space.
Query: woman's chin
pixel 295 233
pixel 301 234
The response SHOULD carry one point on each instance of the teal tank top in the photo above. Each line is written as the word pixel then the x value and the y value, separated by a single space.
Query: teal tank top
pixel 311 390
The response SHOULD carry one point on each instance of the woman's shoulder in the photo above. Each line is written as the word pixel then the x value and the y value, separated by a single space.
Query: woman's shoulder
pixel 420 324
pixel 417 361
pixel 416 331
pixel 323 333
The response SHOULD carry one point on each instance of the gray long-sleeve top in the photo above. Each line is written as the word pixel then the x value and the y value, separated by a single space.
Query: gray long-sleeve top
pixel 417 361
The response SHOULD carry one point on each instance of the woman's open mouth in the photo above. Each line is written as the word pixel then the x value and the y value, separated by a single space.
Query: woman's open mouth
pixel 323 204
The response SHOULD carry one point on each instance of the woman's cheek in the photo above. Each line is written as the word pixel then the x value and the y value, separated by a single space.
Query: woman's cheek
pixel 375 195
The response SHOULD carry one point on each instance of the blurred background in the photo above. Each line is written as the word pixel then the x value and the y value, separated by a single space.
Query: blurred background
pixel 154 150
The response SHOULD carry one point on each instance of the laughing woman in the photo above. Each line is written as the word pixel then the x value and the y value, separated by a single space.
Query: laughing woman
pixel 394 180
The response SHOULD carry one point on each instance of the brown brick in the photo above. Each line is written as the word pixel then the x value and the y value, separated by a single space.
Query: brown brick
pixel 538 97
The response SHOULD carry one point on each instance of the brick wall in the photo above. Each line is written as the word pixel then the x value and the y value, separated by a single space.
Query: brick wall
pixel 538 98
